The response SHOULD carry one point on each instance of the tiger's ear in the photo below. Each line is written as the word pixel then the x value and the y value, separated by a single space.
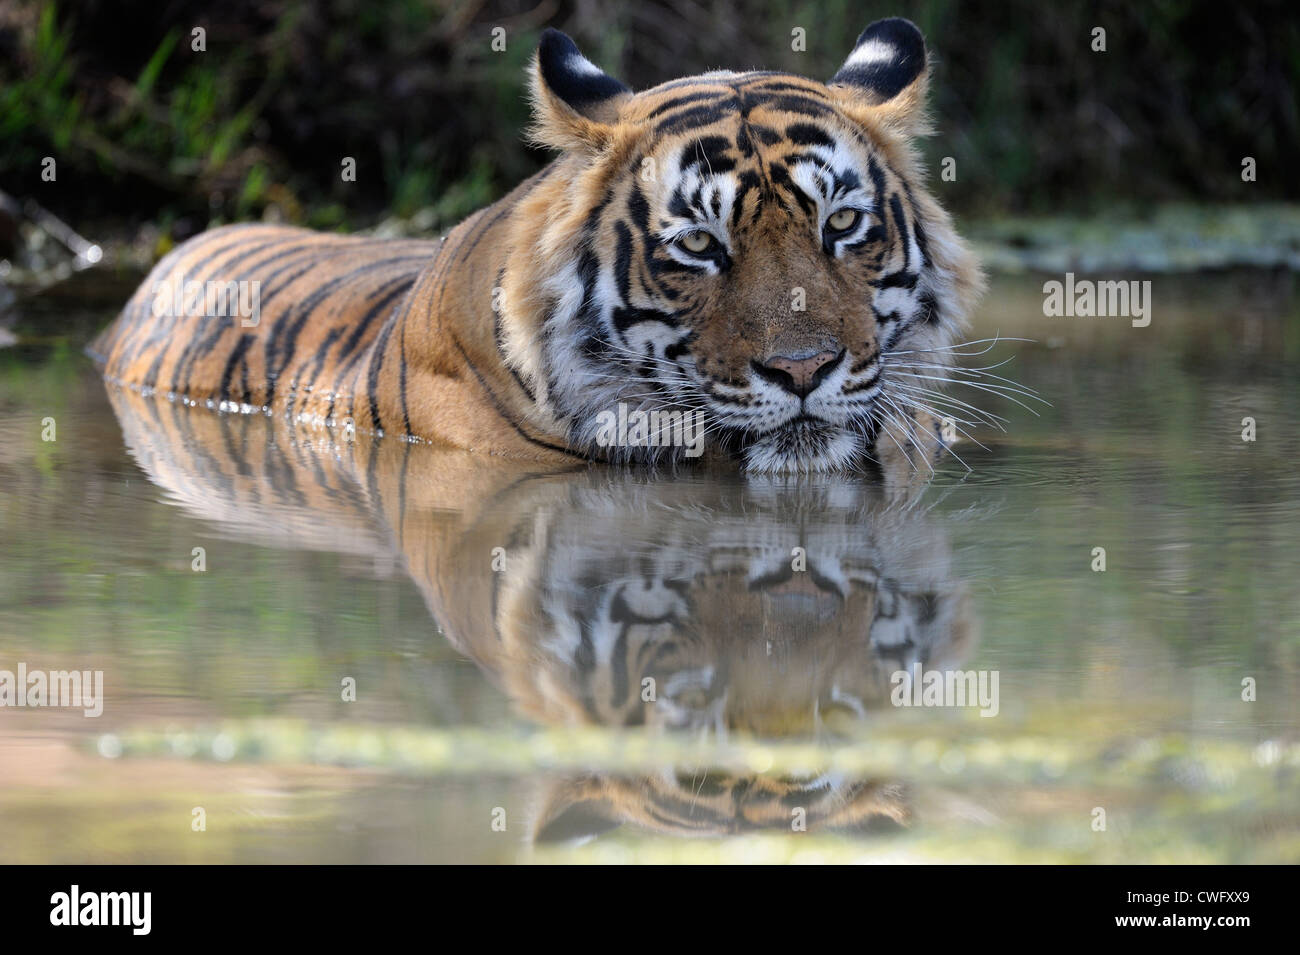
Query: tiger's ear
pixel 885 76
pixel 575 103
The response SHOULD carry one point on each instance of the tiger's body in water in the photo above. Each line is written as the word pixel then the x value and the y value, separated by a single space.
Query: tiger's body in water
pixel 749 247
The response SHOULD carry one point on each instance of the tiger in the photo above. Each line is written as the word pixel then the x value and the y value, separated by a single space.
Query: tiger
pixel 729 260
pixel 756 606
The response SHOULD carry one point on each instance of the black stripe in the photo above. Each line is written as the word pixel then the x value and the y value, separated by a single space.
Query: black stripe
pixel 502 411
pixel 372 376
pixel 684 101
pixel 236 356
pixel 401 384
pixel 791 103
pixel 692 118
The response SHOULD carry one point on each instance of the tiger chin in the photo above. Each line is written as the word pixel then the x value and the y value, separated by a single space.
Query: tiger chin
pixel 744 252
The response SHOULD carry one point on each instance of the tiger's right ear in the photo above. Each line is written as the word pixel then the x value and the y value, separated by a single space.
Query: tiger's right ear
pixel 575 103
pixel 884 78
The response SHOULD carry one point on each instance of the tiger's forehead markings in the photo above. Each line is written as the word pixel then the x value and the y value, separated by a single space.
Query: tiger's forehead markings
pixel 707 154
pixel 806 134
pixel 729 114
pixel 745 142
pixel 714 97
pixel 815 171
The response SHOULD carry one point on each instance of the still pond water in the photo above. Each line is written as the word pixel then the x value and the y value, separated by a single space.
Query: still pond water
pixel 601 666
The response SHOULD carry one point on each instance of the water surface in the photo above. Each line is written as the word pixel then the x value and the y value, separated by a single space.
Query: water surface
pixel 501 625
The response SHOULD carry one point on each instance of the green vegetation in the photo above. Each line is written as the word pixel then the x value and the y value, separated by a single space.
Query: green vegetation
pixel 148 129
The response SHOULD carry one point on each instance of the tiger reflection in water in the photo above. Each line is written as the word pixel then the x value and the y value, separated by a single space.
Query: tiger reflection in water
pixel 770 607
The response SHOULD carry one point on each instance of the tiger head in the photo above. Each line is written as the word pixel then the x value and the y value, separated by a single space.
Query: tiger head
pixel 748 248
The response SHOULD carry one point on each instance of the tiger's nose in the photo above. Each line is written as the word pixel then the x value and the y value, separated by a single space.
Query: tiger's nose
pixel 799 375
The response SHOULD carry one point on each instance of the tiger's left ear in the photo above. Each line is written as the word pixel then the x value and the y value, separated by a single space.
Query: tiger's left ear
pixel 885 77
pixel 575 103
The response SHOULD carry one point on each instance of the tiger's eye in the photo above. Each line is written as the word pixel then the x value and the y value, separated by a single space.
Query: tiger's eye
pixel 697 243
pixel 843 220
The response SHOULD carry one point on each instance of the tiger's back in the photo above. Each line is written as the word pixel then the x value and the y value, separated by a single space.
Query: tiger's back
pixel 263 316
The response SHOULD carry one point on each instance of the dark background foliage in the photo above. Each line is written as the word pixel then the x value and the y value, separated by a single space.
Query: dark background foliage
pixel 144 129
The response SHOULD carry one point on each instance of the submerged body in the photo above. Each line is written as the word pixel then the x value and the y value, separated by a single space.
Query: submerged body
pixel 742 252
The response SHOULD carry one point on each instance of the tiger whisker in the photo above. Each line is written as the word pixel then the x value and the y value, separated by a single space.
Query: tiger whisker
pixel 957 370
pixel 1000 390
pixel 985 416
pixel 921 406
